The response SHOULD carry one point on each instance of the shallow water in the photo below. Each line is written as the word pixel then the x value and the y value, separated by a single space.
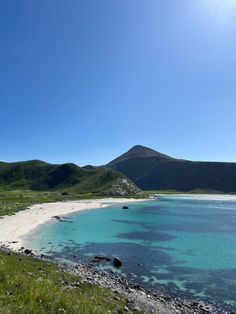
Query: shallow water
pixel 184 245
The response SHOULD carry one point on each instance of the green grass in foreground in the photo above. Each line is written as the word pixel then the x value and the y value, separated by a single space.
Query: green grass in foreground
pixel 28 285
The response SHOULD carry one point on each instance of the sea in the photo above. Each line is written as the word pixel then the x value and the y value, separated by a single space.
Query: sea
pixel 182 245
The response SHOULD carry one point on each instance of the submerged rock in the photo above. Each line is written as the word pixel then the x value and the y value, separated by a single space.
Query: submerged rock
pixel 100 257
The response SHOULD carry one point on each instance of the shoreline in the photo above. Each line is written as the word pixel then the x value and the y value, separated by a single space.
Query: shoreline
pixel 15 228
pixel 138 298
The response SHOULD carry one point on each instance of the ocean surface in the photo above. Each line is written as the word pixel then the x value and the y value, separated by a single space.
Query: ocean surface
pixel 181 245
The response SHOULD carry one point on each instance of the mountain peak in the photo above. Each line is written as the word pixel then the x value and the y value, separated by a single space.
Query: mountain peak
pixel 140 151
pixel 143 151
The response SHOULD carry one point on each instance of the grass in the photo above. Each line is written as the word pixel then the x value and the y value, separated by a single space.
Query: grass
pixel 17 200
pixel 28 285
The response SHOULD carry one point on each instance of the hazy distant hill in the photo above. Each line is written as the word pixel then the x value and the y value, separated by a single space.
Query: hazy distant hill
pixel 151 170
pixel 39 175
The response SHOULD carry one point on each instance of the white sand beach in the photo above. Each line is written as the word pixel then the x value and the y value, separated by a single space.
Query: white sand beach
pixel 14 228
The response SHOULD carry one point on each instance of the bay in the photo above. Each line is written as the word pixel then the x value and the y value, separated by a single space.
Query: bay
pixel 181 245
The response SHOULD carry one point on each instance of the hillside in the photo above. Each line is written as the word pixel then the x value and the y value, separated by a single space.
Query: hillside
pixel 151 170
pixel 41 176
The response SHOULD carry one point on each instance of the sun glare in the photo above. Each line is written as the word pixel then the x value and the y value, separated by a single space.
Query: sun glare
pixel 221 10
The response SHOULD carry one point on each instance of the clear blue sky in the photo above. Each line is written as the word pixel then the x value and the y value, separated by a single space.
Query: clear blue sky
pixel 83 81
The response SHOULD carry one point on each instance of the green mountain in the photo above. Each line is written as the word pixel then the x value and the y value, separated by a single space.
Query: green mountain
pixel 151 170
pixel 40 176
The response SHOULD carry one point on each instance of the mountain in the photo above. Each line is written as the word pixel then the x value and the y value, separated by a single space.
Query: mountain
pixel 151 170
pixel 140 151
pixel 39 175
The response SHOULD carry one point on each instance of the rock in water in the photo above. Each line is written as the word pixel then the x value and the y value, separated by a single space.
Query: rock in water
pixel 101 257
pixel 125 207
pixel 117 262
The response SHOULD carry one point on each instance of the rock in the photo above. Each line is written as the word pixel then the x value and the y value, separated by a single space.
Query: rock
pixel 75 284
pixel 123 187
pixel 117 262
pixel 100 257
pixel 27 251
pixel 125 207
pixel 64 193
pixel 57 217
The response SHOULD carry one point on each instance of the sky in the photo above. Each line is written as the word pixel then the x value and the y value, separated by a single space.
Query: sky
pixel 84 81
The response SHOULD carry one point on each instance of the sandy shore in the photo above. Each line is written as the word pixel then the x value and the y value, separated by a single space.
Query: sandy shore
pixel 13 229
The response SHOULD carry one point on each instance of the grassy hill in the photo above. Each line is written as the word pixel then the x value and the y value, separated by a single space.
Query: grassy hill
pixel 41 176
pixel 151 170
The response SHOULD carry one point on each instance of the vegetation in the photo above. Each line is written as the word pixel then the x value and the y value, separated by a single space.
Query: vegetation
pixel 37 175
pixel 28 285
pixel 16 200
pixel 151 170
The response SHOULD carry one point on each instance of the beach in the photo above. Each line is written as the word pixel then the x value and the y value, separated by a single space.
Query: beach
pixel 15 228
pixel 15 231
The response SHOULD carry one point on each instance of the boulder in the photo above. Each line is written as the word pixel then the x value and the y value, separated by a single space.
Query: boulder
pixel 117 262
pixel 125 207
pixel 27 251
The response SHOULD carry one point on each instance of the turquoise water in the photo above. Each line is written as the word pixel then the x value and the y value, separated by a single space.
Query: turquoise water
pixel 184 245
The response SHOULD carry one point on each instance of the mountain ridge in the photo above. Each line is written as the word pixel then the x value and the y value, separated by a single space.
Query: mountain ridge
pixel 152 170
pixel 42 176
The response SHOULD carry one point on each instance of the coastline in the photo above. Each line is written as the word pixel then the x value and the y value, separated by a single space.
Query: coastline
pixel 138 299
pixel 15 228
